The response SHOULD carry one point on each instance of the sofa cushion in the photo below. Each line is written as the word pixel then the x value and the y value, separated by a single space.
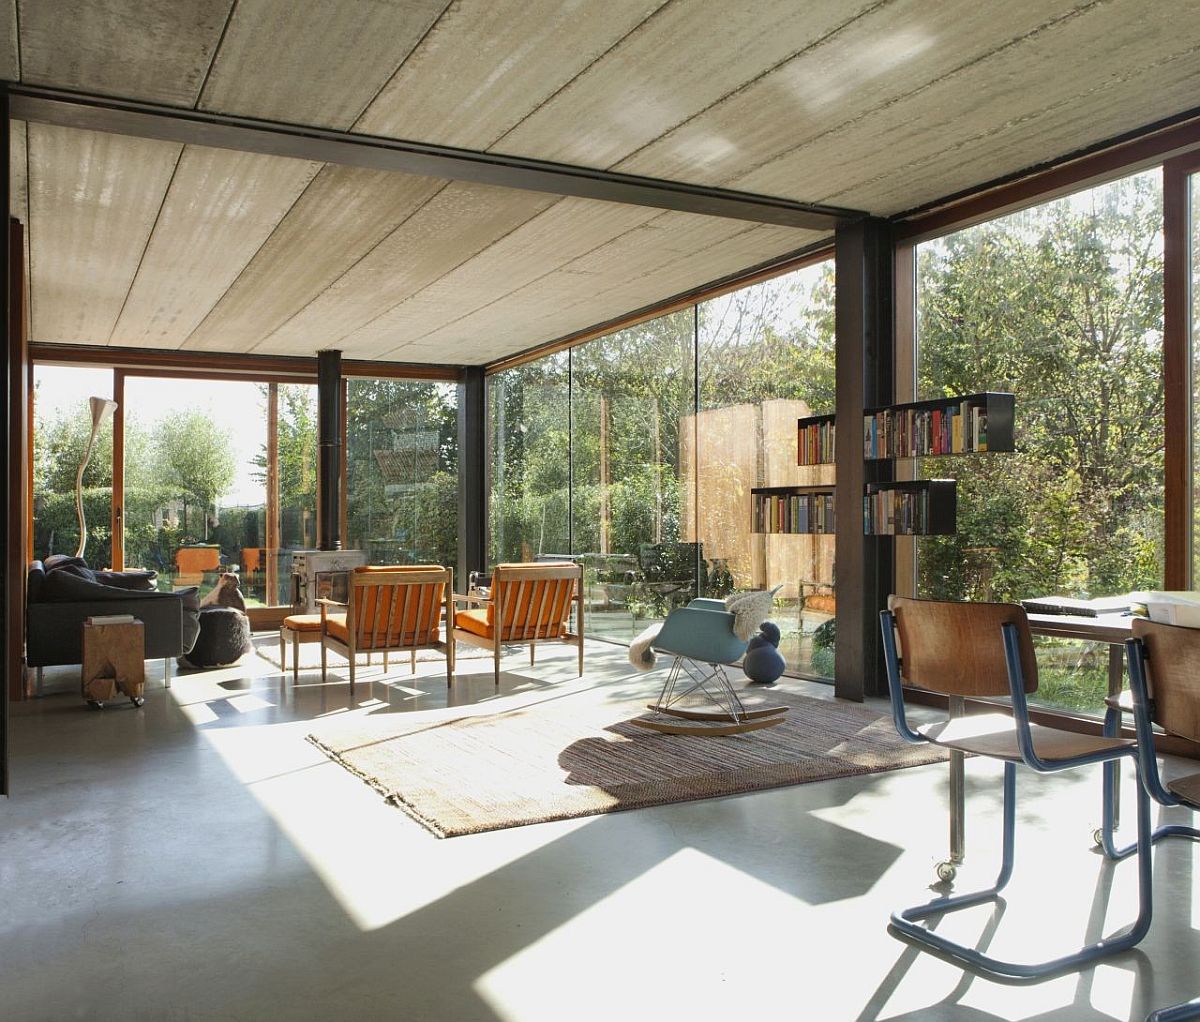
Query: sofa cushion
pixel 65 586
pixel 191 614
pixel 59 560
pixel 78 570
pixel 141 580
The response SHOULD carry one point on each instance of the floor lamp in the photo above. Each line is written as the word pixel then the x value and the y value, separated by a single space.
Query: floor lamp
pixel 102 409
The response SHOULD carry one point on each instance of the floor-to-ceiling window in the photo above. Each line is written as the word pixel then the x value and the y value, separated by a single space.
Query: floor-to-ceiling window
pixel 61 433
pixel 402 471
pixel 1062 305
pixel 529 414
pixel 635 454
pixel 632 404
pixel 766 359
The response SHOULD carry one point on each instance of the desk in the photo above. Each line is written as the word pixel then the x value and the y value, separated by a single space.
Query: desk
pixel 1113 629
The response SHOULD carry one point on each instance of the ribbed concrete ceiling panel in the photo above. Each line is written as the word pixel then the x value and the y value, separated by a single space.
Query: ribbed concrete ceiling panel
pixel 485 66
pixel 1175 81
pixel 319 62
pixel 459 222
pixel 93 200
pixel 220 208
pixel 1064 68
pixel 344 214
pixel 10 67
pixel 678 62
pixel 565 231
pixel 156 50
pixel 668 255
pixel 890 52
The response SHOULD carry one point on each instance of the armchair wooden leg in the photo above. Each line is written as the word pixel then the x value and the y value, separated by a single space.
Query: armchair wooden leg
pixel 385 663
pixel 353 661
pixel 412 661
pixel 282 651
pixel 324 660
pixel 296 658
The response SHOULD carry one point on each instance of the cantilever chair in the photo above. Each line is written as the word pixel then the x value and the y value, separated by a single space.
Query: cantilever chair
pixel 700 637
pixel 390 610
pixel 1164 678
pixel 529 603
pixel 985 649
pixel 1164 661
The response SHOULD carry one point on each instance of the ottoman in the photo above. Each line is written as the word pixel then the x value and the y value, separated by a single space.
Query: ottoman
pixel 223 640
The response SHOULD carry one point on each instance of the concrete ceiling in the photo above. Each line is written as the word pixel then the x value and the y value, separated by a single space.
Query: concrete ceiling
pixel 879 105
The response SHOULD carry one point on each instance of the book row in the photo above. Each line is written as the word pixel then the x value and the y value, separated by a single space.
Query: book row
pixel 814 444
pixel 920 432
pixel 909 510
pixel 792 512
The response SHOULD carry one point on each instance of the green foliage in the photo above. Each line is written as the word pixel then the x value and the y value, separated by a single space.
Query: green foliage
pixel 194 457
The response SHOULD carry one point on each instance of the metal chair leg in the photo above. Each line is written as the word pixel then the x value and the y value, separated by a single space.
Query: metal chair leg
pixel 906 921
pixel 1176 1013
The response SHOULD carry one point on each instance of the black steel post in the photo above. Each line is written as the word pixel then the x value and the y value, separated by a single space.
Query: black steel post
pixel 472 473
pixel 329 449
pixel 11 588
pixel 864 569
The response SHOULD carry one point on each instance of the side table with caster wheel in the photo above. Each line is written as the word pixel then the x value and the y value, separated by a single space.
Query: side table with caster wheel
pixel 114 658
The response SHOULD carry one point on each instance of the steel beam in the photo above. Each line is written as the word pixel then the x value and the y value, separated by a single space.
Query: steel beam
pixel 303 142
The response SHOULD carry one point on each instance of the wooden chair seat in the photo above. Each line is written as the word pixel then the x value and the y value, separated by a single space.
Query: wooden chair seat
pixel 1186 789
pixel 529 603
pixel 993 735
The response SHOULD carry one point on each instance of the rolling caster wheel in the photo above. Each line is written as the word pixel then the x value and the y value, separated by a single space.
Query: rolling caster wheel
pixel 1098 837
pixel 946 872
pixel 95 704
pixel 137 700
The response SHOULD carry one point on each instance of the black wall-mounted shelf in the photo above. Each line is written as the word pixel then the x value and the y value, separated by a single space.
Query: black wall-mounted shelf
pixel 815 437
pixel 792 510
pixel 967 424
pixel 920 507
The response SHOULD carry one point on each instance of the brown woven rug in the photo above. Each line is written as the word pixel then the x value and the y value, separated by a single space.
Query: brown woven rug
pixel 556 762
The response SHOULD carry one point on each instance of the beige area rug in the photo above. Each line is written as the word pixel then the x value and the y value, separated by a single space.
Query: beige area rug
pixel 553 762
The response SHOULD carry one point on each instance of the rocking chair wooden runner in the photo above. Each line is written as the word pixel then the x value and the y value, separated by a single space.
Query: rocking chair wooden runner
pixel 528 604
pixel 985 650
pixel 700 637
pixel 390 611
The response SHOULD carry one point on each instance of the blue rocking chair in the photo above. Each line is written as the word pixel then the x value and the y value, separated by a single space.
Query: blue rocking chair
pixel 701 640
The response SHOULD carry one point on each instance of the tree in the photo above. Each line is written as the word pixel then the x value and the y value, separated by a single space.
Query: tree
pixel 195 457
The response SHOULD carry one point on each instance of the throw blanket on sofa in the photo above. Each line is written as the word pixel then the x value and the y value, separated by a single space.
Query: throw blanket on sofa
pixel 749 610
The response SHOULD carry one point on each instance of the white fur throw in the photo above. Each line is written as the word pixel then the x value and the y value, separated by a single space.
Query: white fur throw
pixel 640 653
pixel 750 610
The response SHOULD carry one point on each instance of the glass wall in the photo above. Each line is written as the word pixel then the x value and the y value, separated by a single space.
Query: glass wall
pixel 635 455
pixel 1060 304
pixel 402 471
pixel 529 442
pixel 766 359
pixel 62 429
pixel 632 404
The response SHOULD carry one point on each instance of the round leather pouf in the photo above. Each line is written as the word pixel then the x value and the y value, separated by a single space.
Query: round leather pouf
pixel 224 639
pixel 763 664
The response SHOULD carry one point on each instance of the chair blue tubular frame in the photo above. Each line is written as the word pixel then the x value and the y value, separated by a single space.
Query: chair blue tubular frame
pixel 1137 657
pixel 1176 1013
pixel 907 921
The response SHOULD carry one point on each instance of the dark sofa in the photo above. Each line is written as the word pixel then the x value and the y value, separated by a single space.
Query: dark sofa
pixel 64 594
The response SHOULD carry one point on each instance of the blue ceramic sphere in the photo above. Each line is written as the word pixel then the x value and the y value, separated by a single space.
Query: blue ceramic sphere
pixel 770 631
pixel 756 641
pixel 763 664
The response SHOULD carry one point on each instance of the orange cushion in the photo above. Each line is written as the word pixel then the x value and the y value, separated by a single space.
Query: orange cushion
pixel 302 623
pixel 363 568
pixel 336 626
pixel 475 621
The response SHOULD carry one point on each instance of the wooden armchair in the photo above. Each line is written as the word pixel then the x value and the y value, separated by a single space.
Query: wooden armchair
pixel 391 610
pixel 529 603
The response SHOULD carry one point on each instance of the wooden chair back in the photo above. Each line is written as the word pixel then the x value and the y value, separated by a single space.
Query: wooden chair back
pixel 1173 653
pixel 957 648
pixel 533 601
pixel 398 607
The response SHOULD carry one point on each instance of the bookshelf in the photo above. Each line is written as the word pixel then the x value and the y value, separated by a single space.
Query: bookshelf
pixel 792 510
pixel 970 424
pixel 920 507
pixel 815 437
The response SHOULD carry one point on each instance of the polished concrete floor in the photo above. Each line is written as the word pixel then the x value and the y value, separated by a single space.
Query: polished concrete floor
pixel 197 859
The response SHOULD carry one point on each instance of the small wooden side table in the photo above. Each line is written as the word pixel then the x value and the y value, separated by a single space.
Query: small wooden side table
pixel 114 657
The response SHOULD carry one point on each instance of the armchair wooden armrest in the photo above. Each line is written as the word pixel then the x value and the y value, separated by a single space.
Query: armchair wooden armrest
pixel 331 603
pixel 460 598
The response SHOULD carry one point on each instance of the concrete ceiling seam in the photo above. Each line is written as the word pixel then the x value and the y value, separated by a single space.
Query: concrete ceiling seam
pixel 216 50
pixel 193 127
pixel 146 246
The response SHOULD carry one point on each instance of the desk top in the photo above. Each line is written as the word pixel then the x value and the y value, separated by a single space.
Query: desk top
pixel 1110 628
